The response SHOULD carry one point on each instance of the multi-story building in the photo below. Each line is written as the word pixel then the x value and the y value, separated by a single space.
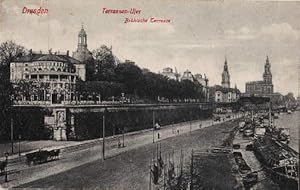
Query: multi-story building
pixel 204 82
pixel 225 95
pixel 48 78
pixel 168 72
pixel 187 75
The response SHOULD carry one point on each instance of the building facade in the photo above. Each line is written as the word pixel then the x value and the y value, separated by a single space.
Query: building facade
pixel 48 78
pixel 187 75
pixel 264 87
pixel 225 95
pixel 169 73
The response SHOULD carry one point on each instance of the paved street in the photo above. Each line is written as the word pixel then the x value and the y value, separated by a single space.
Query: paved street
pixel 130 170
pixel 76 156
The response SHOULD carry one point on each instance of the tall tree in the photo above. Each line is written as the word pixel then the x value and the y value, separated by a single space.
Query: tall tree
pixel 105 63
pixel 8 52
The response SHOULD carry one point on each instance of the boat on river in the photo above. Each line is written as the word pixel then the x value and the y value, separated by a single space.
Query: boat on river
pixel 280 161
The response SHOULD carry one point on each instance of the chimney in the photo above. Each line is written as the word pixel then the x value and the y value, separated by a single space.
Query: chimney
pixel 30 52
pixel 67 52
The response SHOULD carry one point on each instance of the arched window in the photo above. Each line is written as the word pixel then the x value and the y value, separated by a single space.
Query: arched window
pixel 52 69
pixel 58 69
pixel 40 69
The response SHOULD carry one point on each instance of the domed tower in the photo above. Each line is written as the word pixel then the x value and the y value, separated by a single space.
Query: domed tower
pixel 82 39
pixel 82 53
pixel 225 76
pixel 267 74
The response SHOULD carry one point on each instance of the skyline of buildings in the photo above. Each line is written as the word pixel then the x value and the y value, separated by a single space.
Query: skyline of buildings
pixel 83 54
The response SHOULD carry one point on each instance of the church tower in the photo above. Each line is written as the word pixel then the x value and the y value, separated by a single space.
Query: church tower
pixel 267 74
pixel 225 76
pixel 82 40
pixel 82 53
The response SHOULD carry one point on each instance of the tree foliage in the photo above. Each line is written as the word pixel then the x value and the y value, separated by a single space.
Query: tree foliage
pixel 8 51
pixel 134 81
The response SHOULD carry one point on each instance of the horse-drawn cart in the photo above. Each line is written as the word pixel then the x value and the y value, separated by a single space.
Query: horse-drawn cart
pixel 42 156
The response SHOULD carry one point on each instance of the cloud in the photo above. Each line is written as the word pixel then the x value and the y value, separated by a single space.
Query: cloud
pixel 243 33
pixel 280 32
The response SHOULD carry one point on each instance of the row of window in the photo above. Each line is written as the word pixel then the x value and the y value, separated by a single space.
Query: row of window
pixel 259 88
pixel 60 64
pixel 51 77
pixel 51 69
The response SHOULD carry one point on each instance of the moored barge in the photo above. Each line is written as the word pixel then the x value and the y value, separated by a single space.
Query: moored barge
pixel 280 161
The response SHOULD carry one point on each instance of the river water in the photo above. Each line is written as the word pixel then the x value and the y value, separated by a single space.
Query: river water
pixel 290 121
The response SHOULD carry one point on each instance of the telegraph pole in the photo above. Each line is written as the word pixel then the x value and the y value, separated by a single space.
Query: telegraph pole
pixel 190 122
pixel 103 136
pixel 192 170
pixel 123 137
pixel 153 123
pixel 12 134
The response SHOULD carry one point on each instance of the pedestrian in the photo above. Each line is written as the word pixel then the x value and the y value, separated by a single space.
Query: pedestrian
pixel 177 131
pixel 158 135
pixel 200 125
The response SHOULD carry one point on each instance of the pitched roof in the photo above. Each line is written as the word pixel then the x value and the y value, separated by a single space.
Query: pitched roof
pixel 46 57
pixel 226 90
pixel 255 82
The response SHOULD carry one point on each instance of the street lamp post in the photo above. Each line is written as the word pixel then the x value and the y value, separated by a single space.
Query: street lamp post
pixel 6 160
pixel 103 136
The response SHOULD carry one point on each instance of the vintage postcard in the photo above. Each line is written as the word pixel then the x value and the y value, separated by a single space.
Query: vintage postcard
pixel 149 95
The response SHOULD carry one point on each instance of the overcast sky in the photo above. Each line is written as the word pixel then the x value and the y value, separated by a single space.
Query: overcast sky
pixel 199 36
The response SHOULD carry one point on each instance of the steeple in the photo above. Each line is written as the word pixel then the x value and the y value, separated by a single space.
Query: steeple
pixel 82 53
pixel 225 65
pixel 267 76
pixel 225 76
pixel 82 39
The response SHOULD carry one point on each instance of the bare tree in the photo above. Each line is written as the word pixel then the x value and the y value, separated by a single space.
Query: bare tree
pixel 9 51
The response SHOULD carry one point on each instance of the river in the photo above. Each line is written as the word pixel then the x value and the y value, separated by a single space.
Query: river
pixel 290 121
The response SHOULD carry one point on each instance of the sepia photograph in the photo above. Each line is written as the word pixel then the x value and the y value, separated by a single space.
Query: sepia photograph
pixel 150 94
